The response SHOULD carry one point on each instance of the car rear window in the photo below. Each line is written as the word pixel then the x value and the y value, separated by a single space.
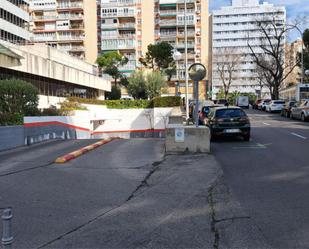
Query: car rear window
pixel 230 113
pixel 279 102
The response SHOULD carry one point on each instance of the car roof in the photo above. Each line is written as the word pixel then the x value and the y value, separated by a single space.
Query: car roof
pixel 228 108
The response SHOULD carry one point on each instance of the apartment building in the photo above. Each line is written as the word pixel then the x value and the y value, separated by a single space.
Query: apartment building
pixel 126 26
pixel 170 23
pixel 14 21
pixel 233 27
pixel 68 25
pixel 292 53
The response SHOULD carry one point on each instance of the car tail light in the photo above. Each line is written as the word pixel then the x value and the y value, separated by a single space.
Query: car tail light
pixel 244 119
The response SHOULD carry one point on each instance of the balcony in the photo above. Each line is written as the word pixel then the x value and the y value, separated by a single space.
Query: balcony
pixel 70 17
pixel 182 34
pixel 44 38
pixel 126 25
pixel 43 18
pixel 118 14
pixel 182 45
pixel 72 5
pixel 71 38
pixel 118 45
pixel 182 22
pixel 167 23
pixel 120 3
pixel 168 12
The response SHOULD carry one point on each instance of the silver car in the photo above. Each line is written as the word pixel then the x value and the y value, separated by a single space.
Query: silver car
pixel 301 111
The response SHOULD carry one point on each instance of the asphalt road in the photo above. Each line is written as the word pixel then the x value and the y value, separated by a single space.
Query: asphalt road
pixel 51 200
pixel 269 176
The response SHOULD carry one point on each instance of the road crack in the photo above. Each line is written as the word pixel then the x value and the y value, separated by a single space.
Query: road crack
pixel 144 182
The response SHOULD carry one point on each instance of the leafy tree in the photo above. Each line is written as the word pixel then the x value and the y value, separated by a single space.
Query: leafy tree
pixel 137 85
pixel 114 94
pixel 154 83
pixel 159 56
pixel 110 63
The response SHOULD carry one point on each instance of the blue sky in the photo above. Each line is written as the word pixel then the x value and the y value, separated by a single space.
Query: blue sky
pixel 294 8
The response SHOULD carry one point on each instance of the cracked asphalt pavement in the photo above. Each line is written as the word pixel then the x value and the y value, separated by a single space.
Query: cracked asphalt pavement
pixel 126 194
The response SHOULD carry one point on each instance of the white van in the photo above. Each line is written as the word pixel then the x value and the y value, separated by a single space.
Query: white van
pixel 242 101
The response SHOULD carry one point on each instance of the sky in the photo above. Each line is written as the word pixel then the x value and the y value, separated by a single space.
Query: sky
pixel 294 8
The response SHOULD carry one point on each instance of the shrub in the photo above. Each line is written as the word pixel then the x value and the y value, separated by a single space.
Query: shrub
pixel 169 101
pixel 11 119
pixel 127 104
pixel 17 96
pixel 154 83
pixel 114 94
pixel 50 112
pixel 137 85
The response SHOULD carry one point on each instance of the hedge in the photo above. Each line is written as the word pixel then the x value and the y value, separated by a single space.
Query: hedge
pixel 17 96
pixel 11 119
pixel 169 101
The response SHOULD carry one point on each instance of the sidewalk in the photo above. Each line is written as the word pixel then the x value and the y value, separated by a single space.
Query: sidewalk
pixel 182 203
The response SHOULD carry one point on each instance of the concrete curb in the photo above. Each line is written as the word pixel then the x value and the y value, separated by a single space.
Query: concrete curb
pixel 77 153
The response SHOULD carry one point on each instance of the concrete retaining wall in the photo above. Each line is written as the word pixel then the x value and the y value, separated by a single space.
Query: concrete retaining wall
pixel 11 137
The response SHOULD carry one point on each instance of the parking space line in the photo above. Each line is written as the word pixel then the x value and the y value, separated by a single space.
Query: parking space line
pixel 297 135
pixel 266 124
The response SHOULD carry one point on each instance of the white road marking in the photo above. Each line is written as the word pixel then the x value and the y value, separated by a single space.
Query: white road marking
pixel 266 123
pixel 297 135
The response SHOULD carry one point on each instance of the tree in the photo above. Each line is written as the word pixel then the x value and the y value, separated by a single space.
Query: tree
pixel 114 94
pixel 226 62
pixel 110 63
pixel 154 83
pixel 137 85
pixel 270 53
pixel 159 56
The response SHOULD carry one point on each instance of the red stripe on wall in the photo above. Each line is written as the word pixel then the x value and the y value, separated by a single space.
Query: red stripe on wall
pixel 131 131
pixel 36 124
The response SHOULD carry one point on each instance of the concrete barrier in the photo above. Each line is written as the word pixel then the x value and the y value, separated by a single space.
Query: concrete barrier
pixel 11 137
pixel 180 139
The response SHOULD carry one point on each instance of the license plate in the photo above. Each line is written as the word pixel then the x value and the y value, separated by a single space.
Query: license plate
pixel 232 131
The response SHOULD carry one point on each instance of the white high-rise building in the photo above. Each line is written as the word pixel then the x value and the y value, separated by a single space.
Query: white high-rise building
pixel 14 20
pixel 233 27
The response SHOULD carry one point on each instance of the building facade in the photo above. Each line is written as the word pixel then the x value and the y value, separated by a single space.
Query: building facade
pixel 126 26
pixel 170 27
pixel 292 56
pixel 68 25
pixel 56 74
pixel 14 21
pixel 233 27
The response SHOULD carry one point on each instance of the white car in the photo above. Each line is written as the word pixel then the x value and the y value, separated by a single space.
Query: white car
pixel 275 106
pixel 262 104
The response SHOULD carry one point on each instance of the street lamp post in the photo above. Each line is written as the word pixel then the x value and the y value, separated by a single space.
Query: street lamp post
pixel 177 57
pixel 186 63
pixel 302 55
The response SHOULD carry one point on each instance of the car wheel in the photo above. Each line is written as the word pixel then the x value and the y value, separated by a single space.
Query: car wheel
pixel 247 137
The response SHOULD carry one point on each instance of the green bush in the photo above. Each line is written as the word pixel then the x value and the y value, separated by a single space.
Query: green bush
pixel 114 94
pixel 17 96
pixel 11 119
pixel 50 112
pixel 169 101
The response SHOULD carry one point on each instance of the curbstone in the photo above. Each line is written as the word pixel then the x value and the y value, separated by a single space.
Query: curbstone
pixel 77 153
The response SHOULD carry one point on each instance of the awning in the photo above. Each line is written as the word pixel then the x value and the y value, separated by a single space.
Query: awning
pixel 8 52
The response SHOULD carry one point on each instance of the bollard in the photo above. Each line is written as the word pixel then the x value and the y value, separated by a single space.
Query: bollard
pixel 7 237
